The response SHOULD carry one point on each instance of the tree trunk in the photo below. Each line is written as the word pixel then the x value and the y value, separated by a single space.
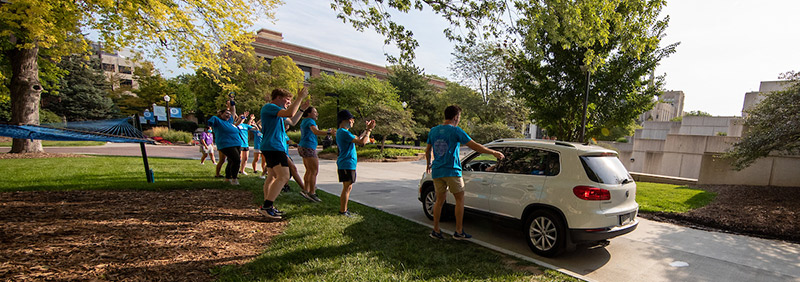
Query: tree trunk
pixel 383 142
pixel 25 94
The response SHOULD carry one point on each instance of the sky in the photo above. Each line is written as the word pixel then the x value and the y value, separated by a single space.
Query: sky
pixel 727 47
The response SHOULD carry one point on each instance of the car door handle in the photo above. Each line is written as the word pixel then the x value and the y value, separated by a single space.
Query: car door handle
pixel 530 187
pixel 485 182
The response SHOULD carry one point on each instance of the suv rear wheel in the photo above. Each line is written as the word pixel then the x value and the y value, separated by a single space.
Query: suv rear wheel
pixel 545 233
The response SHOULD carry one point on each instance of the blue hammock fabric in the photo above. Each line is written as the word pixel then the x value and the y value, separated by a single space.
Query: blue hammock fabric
pixel 117 131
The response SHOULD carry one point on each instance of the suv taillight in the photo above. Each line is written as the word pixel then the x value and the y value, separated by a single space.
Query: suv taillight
pixel 590 193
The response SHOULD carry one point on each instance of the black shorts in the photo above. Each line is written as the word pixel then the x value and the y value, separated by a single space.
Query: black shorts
pixel 275 158
pixel 245 149
pixel 347 175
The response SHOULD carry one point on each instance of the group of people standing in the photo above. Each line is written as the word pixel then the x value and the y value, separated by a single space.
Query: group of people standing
pixel 272 148
pixel 441 153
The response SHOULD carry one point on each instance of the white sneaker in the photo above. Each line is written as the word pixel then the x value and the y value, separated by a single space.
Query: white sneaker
pixel 263 177
pixel 234 182
pixel 242 172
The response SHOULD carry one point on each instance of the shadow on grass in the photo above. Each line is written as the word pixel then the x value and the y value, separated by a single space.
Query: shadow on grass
pixel 320 245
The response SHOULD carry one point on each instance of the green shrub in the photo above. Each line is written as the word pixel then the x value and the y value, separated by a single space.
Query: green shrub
pixel 176 136
pixel 46 116
pixel 485 133
pixel 173 136
pixel 294 135
pixel 372 151
pixel 622 140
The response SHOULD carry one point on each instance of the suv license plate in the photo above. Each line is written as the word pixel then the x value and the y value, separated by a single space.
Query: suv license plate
pixel 626 218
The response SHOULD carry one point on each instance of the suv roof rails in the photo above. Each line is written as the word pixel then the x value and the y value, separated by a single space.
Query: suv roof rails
pixel 565 144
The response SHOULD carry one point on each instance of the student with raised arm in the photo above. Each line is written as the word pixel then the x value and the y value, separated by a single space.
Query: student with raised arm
pixel 347 160
pixel 443 145
pixel 274 147
pixel 229 142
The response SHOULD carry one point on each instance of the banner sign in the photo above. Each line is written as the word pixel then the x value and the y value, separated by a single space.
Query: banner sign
pixel 175 113
pixel 160 111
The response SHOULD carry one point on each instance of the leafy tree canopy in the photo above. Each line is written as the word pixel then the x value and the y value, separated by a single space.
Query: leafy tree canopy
pixel 82 94
pixel 420 96
pixel 614 42
pixel 698 114
pixel 772 126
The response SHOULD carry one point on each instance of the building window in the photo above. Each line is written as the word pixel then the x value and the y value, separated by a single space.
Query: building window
pixel 327 72
pixel 126 83
pixel 306 72
pixel 108 67
pixel 125 69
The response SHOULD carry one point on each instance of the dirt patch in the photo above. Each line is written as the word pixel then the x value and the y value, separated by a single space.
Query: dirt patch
pixel 130 236
pixel 767 212
pixel 38 156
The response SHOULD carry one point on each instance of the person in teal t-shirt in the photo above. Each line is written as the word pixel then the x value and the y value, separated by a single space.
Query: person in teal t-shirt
pixel 257 136
pixel 443 144
pixel 244 133
pixel 273 146
pixel 307 148
pixel 228 140
pixel 347 160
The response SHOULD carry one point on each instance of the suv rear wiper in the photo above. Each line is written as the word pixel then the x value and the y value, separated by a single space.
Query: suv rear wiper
pixel 626 181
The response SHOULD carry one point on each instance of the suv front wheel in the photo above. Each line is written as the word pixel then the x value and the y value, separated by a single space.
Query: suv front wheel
pixel 428 201
pixel 545 233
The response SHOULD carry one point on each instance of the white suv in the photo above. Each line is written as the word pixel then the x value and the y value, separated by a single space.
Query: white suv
pixel 564 193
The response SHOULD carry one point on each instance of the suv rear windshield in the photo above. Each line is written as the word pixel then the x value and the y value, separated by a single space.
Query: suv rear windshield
pixel 605 169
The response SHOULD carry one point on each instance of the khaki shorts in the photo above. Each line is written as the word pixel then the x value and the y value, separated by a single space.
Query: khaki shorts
pixel 210 150
pixel 454 183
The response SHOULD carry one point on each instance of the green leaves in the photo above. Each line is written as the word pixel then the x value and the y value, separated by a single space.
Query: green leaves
pixel 773 126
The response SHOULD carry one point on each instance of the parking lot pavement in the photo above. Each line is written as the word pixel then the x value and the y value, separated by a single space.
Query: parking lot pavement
pixel 654 252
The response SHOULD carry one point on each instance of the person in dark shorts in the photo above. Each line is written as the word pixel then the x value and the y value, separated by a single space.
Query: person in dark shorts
pixel 307 148
pixel 274 147
pixel 244 132
pixel 347 160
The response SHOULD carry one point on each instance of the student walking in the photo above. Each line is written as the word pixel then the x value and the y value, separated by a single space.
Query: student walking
pixel 443 145
pixel 307 148
pixel 347 160
pixel 274 146
pixel 257 137
pixel 228 140
pixel 207 145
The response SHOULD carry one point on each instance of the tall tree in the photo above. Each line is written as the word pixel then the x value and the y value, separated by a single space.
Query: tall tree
pixel 482 67
pixel 414 88
pixel 613 42
pixel 82 92
pixel 253 78
pixel 367 98
pixel 195 30
pixel 773 126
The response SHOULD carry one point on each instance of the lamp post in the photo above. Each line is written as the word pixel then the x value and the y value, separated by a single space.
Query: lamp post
pixel 337 100
pixel 585 103
pixel 167 98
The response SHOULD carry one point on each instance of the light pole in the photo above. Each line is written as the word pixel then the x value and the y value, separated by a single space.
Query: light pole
pixel 167 98
pixel 585 103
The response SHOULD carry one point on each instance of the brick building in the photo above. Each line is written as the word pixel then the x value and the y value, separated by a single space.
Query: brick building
pixel 269 44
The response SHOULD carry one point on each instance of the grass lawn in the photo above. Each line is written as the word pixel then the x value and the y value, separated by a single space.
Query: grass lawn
pixel 656 197
pixel 46 143
pixel 317 245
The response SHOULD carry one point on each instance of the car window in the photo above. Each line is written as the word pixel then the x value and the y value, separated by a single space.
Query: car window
pixel 605 169
pixel 480 162
pixel 521 160
pixel 552 163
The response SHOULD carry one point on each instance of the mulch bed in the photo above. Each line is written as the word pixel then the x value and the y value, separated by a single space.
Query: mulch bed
pixel 761 211
pixel 128 235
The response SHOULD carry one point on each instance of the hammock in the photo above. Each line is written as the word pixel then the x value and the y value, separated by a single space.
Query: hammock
pixel 116 130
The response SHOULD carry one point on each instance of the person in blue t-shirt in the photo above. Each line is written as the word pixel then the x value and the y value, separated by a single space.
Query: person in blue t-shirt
pixel 307 148
pixel 274 148
pixel 228 140
pixel 347 160
pixel 257 136
pixel 443 145
pixel 244 133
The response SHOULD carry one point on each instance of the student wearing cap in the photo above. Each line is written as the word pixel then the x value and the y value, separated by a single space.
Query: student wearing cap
pixel 274 148
pixel 347 160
